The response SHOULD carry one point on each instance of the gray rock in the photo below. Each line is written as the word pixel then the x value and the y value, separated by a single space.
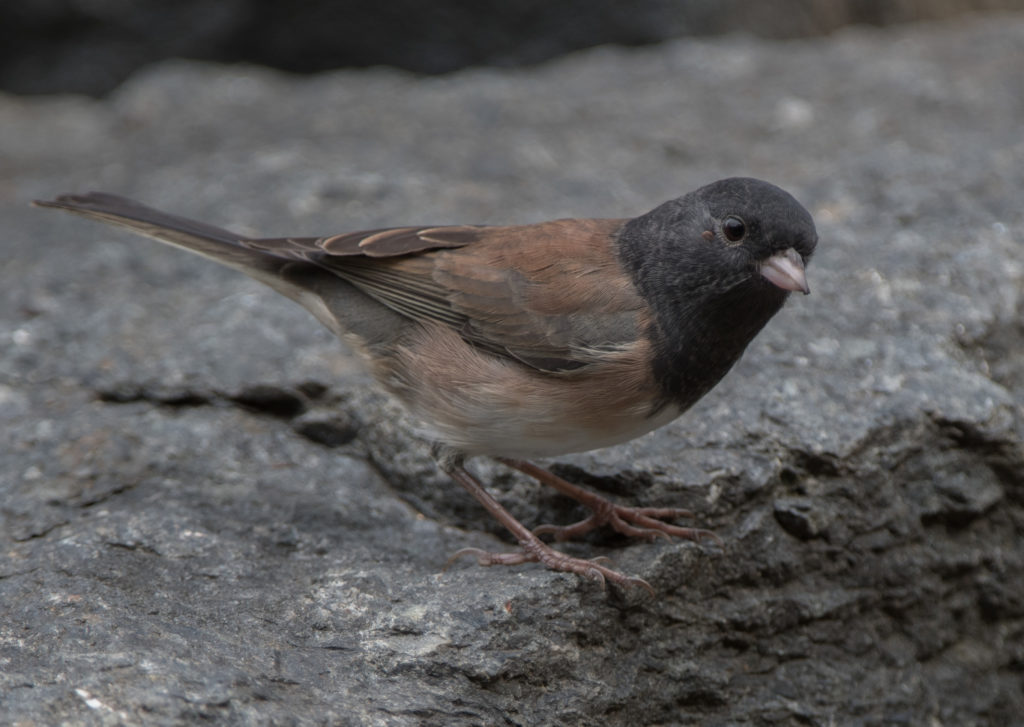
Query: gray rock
pixel 176 547
pixel 803 517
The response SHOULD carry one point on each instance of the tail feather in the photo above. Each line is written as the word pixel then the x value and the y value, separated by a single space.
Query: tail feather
pixel 214 243
pixel 337 304
pixel 128 213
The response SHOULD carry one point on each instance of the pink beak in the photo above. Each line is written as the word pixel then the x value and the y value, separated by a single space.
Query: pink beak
pixel 786 270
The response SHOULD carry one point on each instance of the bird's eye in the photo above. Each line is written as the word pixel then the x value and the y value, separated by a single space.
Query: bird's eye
pixel 734 229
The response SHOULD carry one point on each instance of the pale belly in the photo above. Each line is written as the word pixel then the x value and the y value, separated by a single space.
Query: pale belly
pixel 478 403
pixel 520 434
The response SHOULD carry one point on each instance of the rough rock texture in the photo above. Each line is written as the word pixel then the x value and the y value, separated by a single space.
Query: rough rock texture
pixel 207 515
pixel 90 46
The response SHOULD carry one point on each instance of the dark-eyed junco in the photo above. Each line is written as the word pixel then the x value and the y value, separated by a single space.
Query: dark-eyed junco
pixel 535 340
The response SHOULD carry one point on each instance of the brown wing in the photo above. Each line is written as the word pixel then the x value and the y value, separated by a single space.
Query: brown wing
pixel 388 242
pixel 368 259
pixel 551 295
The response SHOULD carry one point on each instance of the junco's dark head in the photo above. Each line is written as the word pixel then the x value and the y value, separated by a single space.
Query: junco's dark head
pixel 733 232
pixel 716 265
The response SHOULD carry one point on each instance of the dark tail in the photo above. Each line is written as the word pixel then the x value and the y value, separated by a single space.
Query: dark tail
pixel 337 304
pixel 215 243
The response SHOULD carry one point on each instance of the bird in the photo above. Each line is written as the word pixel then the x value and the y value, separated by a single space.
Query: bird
pixel 536 340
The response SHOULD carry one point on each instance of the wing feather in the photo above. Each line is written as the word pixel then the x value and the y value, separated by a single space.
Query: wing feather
pixel 552 295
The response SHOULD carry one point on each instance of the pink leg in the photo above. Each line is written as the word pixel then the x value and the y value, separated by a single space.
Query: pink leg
pixel 635 522
pixel 533 548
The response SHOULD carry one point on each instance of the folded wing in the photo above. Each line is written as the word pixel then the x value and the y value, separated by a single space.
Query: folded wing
pixel 551 295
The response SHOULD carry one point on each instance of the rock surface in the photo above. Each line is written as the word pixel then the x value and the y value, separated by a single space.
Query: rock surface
pixel 206 513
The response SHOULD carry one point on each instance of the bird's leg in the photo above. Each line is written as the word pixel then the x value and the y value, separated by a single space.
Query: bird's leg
pixel 636 522
pixel 533 548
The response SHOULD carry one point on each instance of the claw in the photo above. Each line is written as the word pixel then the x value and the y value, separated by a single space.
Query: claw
pixel 634 522
pixel 486 558
pixel 534 551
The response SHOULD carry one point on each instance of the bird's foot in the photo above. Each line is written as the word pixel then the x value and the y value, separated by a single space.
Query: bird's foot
pixel 634 522
pixel 536 551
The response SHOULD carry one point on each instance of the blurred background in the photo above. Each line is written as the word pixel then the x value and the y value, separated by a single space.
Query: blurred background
pixel 90 46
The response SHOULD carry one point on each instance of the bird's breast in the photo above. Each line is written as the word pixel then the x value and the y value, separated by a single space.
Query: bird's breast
pixel 480 403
